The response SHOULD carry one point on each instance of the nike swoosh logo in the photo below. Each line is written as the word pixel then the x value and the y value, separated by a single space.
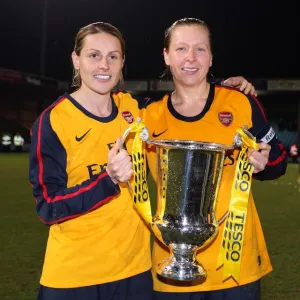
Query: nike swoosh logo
pixel 158 134
pixel 78 139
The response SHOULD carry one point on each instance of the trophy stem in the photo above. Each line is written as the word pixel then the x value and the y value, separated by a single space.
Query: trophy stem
pixel 181 264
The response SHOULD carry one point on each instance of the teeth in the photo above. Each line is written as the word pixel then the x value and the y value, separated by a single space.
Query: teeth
pixel 190 69
pixel 105 77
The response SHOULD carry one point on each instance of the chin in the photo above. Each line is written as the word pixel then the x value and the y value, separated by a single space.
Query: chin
pixel 191 83
pixel 103 88
pixel 188 81
pixel 103 91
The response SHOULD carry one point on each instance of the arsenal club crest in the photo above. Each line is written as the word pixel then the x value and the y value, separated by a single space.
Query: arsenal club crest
pixel 225 118
pixel 127 115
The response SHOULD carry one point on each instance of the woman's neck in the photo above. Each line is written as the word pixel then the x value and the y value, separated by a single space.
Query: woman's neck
pixel 190 101
pixel 97 104
pixel 187 95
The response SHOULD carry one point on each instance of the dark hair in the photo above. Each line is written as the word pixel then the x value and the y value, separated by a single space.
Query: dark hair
pixel 94 28
pixel 183 22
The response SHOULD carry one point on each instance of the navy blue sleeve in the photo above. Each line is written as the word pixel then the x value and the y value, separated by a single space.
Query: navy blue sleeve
pixel 143 102
pixel 55 202
pixel 263 131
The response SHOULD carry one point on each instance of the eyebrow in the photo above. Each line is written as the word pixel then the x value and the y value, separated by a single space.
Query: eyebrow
pixel 200 43
pixel 92 49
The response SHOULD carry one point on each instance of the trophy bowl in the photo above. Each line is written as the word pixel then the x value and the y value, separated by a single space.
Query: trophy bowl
pixel 188 177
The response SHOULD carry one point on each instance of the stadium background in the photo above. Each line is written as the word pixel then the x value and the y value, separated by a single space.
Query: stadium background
pixel 23 237
pixel 24 96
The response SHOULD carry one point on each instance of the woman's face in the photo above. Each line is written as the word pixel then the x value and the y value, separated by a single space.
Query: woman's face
pixel 189 54
pixel 100 62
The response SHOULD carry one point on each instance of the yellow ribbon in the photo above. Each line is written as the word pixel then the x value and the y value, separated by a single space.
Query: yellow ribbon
pixel 161 203
pixel 230 255
pixel 247 140
pixel 139 185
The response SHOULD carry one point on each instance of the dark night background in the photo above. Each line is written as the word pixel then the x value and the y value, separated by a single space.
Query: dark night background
pixel 257 39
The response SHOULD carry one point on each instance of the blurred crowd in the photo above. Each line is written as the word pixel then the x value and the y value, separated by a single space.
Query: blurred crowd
pixel 12 143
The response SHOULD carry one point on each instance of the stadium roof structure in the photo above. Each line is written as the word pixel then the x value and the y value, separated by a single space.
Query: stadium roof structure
pixel 17 77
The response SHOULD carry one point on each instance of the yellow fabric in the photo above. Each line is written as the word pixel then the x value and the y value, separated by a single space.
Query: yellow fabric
pixel 111 242
pixel 233 232
pixel 139 184
pixel 255 258
pixel 141 197
pixel 247 141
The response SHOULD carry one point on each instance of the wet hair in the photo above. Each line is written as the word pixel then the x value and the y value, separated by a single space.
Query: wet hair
pixel 90 29
pixel 183 22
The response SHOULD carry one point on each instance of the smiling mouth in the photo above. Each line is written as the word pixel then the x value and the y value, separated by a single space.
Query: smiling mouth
pixel 102 77
pixel 190 70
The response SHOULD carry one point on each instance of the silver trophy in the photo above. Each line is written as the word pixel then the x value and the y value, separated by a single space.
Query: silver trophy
pixel 188 178
pixel 187 186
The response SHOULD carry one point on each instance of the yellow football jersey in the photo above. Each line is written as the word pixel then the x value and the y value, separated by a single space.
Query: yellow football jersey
pixel 225 111
pixel 96 235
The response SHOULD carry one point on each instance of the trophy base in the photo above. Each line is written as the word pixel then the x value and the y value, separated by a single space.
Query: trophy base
pixel 182 270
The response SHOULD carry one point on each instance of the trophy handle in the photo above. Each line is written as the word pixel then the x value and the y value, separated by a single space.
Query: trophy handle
pixel 245 137
pixel 222 219
pixel 124 136
pixel 144 136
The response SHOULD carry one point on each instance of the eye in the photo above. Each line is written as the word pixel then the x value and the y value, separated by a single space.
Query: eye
pixel 94 55
pixel 200 50
pixel 180 49
pixel 113 57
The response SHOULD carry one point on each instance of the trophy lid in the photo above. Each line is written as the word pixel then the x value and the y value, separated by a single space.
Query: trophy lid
pixel 190 145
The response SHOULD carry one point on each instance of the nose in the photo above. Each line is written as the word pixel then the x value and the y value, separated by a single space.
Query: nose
pixel 191 55
pixel 103 64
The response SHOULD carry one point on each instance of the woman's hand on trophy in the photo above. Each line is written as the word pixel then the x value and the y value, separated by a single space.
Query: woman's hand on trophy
pixel 259 158
pixel 119 165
